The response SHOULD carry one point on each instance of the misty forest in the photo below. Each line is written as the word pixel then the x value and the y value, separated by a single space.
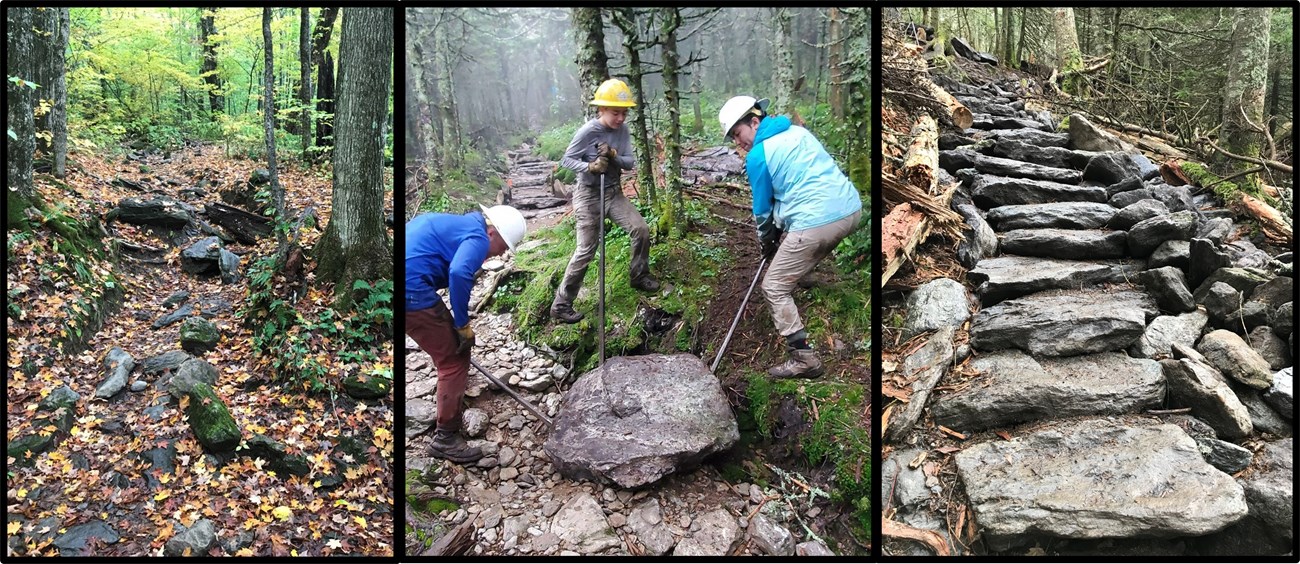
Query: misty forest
pixel 494 98
pixel 199 279
pixel 1088 281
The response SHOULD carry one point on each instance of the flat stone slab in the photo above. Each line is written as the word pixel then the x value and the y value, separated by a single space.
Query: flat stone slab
pixel 990 191
pixel 1016 388
pixel 1056 157
pixel 1097 478
pixel 957 159
pixel 1060 215
pixel 923 368
pixel 1064 322
pixel 1027 136
pixel 1070 244
pixel 1012 276
pixel 646 417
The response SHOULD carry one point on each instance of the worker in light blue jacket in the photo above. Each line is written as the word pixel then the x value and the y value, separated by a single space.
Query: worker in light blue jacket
pixel 798 191
pixel 447 251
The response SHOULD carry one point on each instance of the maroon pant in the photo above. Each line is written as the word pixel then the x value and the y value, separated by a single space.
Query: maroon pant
pixel 435 332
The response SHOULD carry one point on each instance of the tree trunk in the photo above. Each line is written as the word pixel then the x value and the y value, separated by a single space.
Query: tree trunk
pixel 783 66
pixel 626 20
pixel 47 71
pixel 320 40
pixel 268 118
pixel 671 20
pixel 1020 43
pixel 58 95
pixel 836 63
pixel 304 85
pixel 997 28
pixel 698 127
pixel 593 63
pixel 857 90
pixel 1114 42
pixel 208 28
pixel 447 60
pixel 1068 59
pixel 355 245
pixel 1243 95
pixel 1008 34
pixel 20 47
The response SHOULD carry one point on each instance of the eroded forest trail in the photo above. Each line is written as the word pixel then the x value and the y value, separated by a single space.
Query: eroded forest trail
pixel 100 448
pixel 762 497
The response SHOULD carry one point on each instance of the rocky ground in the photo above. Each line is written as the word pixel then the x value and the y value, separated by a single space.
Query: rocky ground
pixel 1107 369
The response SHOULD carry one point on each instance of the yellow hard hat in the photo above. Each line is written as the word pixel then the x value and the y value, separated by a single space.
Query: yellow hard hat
pixel 613 93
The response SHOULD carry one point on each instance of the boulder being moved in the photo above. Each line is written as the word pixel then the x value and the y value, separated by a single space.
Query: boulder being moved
pixel 651 416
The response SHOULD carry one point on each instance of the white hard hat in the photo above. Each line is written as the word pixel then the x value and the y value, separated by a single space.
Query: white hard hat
pixel 736 108
pixel 509 223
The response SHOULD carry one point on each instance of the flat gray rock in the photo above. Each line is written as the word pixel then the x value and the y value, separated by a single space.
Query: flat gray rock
pixel 1016 388
pixel 1136 212
pixel 922 368
pixel 1064 322
pixel 646 520
pixel 1096 478
pixel 581 526
pixel 957 159
pixel 1281 395
pixel 118 365
pixel 1269 346
pixel 1227 352
pixel 1167 286
pixel 1060 215
pixel 1171 253
pixel 941 302
pixel 1243 280
pixel 1058 157
pixel 1199 386
pixel 1087 137
pixel 1224 455
pixel 990 191
pixel 907 484
pixel 1269 486
pixel 713 534
pixel 1146 235
pixel 647 417
pixel 1013 276
pixel 1027 136
pixel 1263 417
pixel 1068 244
pixel 1164 331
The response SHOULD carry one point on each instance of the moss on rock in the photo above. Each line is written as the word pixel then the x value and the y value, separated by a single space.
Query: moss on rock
pixel 210 419
pixel 199 335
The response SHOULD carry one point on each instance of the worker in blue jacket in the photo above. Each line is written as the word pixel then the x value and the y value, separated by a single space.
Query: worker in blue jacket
pixel 799 191
pixel 446 251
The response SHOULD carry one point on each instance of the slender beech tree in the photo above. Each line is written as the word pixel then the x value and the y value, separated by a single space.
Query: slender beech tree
pixel 634 40
pixel 593 63
pixel 268 120
pixel 304 84
pixel 1243 93
pixel 212 81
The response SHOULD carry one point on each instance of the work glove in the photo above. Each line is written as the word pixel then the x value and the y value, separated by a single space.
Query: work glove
pixel 605 150
pixel 598 166
pixel 464 340
pixel 770 244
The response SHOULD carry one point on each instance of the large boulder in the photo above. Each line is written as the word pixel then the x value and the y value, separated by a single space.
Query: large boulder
pixel 203 257
pixel 1135 213
pixel 990 191
pixel 939 303
pixel 1244 280
pixel 195 540
pixel 1058 157
pixel 210 419
pixel 1171 253
pixel 1203 259
pixel 1015 388
pixel 638 419
pixel 1095 479
pixel 118 365
pixel 73 540
pixel 1169 288
pixel 1061 215
pixel 1085 136
pixel 158 210
pixel 1064 323
pixel 1025 136
pixel 1113 167
pixel 1198 386
pixel 1227 352
pixel 957 159
pixel 199 335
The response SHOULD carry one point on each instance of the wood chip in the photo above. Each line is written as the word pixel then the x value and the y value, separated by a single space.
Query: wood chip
pixel 892 528
pixel 1005 435
pixel 952 433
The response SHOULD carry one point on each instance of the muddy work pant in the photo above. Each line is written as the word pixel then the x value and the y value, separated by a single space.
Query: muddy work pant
pixel 798 255
pixel 586 208
pixel 434 331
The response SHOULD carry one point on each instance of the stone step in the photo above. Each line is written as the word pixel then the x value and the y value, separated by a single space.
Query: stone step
pixel 985 121
pixel 1059 215
pixel 1070 244
pixel 1058 157
pixel 957 159
pixel 1064 322
pixel 1094 479
pixel 1012 276
pixel 1017 388
pixel 1029 136
pixel 990 191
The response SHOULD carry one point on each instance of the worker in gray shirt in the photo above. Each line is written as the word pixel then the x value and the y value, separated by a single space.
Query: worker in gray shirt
pixel 602 146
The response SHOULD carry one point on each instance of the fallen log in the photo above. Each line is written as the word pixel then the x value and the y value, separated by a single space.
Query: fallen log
pixel 901 231
pixel 1271 221
pixel 244 226
pixel 961 116
pixel 921 163
pixel 916 215
pixel 454 543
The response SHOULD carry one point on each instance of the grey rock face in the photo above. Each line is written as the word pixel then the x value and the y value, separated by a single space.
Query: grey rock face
pixel 199 335
pixel 581 525
pixel 1065 243
pixel 62 397
pixel 924 368
pixel 1243 280
pixel 1015 388
pixel 646 520
pixel 1135 213
pixel 421 415
pixel 770 537
pixel 812 548
pixel 908 484
pixel 1227 352
pixel 713 534
pixel 1057 157
pixel 676 416
pixel 1167 286
pixel 1263 417
pixel 1270 347
pixel 277 456
pixel 203 257
pixel 1146 235
pixel 229 264
pixel 1224 455
pixel 1221 302
pixel 1204 259
pixel 1215 230
pixel 175 316
pixel 990 191
pixel 1269 489
pixel 978 239
pixel 189 373
pixel 1166 330
pixel 1088 137
pixel 1171 253
pixel 1281 320
pixel 1280 396
pixel 1064 323
pixel 157 210
pixel 1012 276
pixel 955 160
pixel 1096 478
pixel 73 541
pixel 474 422
pixel 1112 167
pixel 941 302
pixel 118 365
pixel 197 540
pixel 1201 387
pixel 1062 215
pixel 1028 136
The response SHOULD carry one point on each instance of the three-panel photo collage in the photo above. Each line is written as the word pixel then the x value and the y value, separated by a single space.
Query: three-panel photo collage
pixel 879 281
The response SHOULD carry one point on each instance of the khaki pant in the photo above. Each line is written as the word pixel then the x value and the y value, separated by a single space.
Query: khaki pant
pixel 798 255
pixel 586 208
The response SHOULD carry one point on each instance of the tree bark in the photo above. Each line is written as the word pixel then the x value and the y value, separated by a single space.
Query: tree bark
pixel 857 92
pixel 921 163
pixel 48 73
pixel 58 95
pixel 836 63
pixel 208 28
pixel 268 118
pixel 20 47
pixel 1008 20
pixel 1243 96
pixel 1068 58
pixel 320 40
pixel 669 22
pixel 355 245
pixel 626 20
pixel 593 63
pixel 304 85
pixel 783 66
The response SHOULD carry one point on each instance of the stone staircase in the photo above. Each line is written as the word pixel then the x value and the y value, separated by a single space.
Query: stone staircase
pixel 1125 350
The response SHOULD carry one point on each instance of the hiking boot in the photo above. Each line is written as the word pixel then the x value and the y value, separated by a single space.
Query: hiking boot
pixel 647 283
pixel 565 313
pixel 803 363
pixel 450 445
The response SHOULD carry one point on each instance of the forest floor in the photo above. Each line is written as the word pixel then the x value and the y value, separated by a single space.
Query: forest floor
pixel 130 467
pixel 815 431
